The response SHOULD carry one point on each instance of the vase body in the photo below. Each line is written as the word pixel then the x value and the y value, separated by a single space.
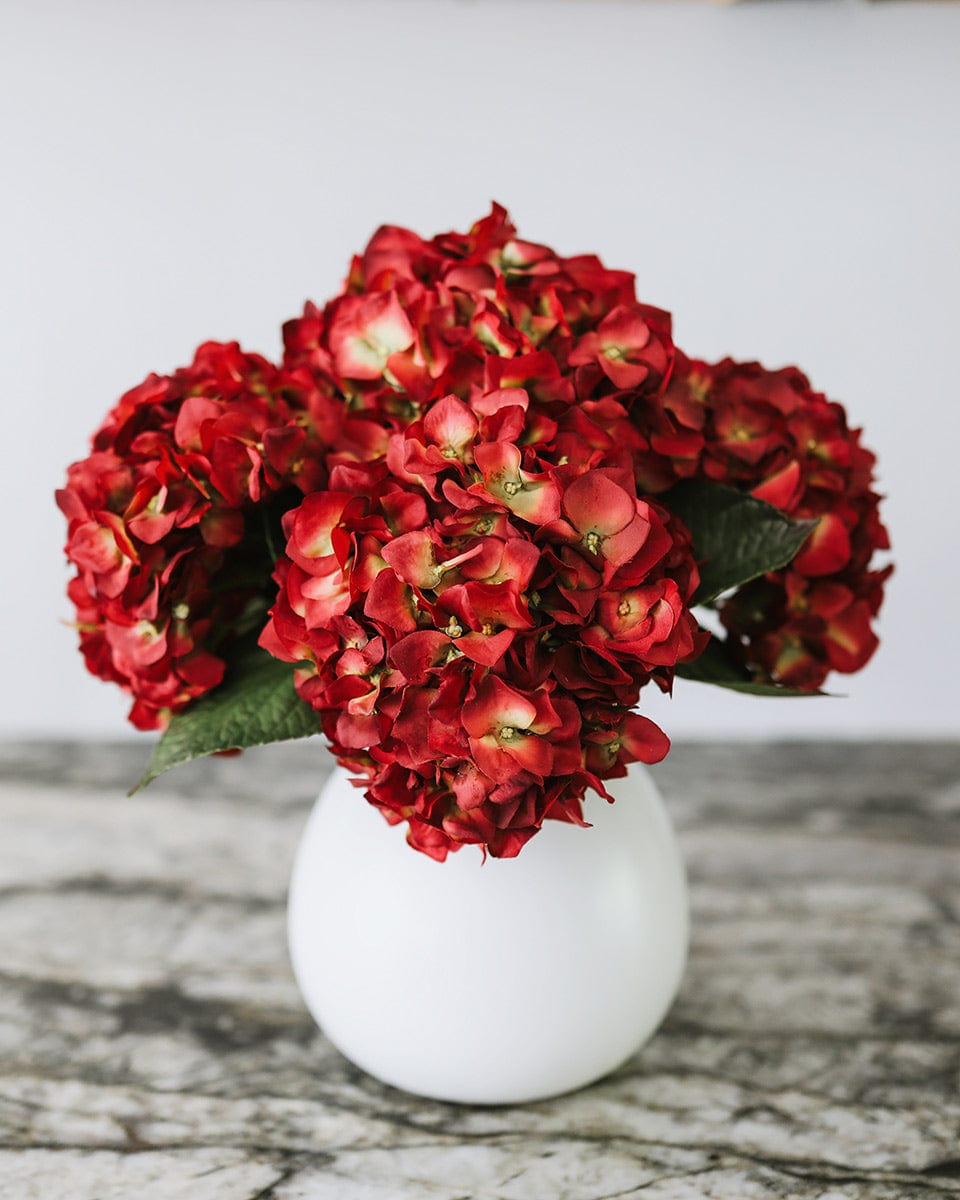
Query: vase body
pixel 490 982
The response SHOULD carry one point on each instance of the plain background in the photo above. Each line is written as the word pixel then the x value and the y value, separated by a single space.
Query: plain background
pixel 785 177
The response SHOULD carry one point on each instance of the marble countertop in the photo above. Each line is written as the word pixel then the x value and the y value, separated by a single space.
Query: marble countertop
pixel 153 1045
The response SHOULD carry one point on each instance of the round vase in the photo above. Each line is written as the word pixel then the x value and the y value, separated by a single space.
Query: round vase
pixel 497 981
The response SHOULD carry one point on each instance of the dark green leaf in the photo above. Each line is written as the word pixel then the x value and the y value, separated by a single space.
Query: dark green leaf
pixel 255 704
pixel 735 537
pixel 716 665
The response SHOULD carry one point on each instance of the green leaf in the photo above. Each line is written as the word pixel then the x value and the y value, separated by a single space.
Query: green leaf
pixel 717 665
pixel 735 537
pixel 255 704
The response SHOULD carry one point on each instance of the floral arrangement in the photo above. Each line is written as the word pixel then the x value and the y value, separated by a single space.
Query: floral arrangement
pixel 459 528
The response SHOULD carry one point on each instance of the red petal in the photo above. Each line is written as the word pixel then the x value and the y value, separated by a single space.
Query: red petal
pixel 643 740
pixel 533 753
pixel 781 489
pixel 413 557
pixel 450 425
pixel 484 648
pixel 492 759
pixel 495 705
pixel 850 641
pixel 389 602
pixel 313 526
pixel 594 502
pixel 194 411
pixel 357 732
pixel 826 550
pixel 417 653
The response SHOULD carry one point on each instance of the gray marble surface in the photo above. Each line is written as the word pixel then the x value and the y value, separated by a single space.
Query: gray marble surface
pixel 153 1045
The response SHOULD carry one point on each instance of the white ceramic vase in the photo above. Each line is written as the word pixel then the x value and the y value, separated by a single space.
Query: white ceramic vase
pixel 490 982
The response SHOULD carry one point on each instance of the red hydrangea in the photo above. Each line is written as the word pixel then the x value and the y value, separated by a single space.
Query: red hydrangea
pixel 166 520
pixel 768 433
pixel 481 594
pixel 446 508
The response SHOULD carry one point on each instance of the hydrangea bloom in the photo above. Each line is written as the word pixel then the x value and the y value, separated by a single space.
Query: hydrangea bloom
pixel 481 593
pixel 165 521
pixel 768 433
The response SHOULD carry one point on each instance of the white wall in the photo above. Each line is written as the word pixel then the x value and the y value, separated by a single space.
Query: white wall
pixel 783 176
